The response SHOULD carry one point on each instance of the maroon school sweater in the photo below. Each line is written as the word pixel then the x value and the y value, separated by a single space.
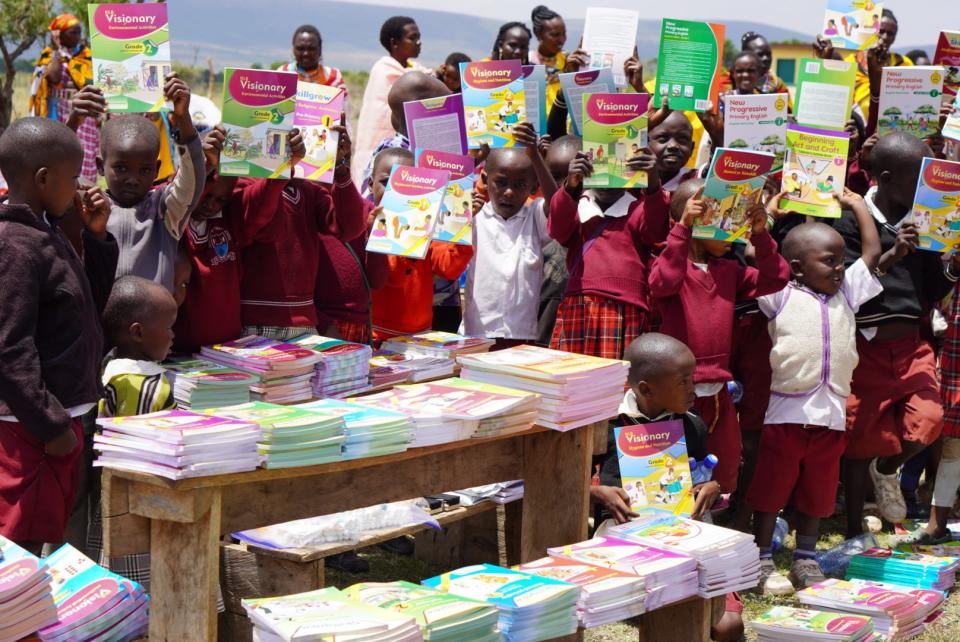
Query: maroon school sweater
pixel 341 292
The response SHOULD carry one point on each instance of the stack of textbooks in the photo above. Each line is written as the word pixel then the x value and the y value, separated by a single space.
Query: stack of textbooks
pixel 369 432
pixel 291 436
pixel 898 612
pixel 727 560
pixel 916 570
pixel 577 390
pixel 385 375
pixel 26 599
pixel 438 344
pixel 285 371
pixel 417 367
pixel 199 384
pixel 783 623
pixel 92 603
pixel 667 576
pixel 454 409
pixel 326 614
pixel 442 617
pixel 531 607
pixel 343 368
pixel 177 444
pixel 606 595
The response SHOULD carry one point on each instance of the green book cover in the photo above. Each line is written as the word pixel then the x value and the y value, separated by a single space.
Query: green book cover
pixel 433 610
pixel 825 93
pixel 689 64
pixel 614 130
pixel 814 171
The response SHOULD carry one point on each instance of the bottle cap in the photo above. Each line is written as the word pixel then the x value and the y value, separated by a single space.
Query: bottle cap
pixel 710 461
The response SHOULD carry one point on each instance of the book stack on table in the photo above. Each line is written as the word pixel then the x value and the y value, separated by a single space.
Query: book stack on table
pixel 915 570
pixel 369 432
pixel 199 384
pixel 26 597
pixel 788 624
pixel 285 370
pixel 438 344
pixel 343 369
pixel 387 365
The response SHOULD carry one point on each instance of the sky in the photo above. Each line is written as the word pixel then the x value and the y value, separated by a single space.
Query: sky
pixel 920 20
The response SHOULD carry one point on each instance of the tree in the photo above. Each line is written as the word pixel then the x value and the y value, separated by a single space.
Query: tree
pixel 739 144
pixel 22 22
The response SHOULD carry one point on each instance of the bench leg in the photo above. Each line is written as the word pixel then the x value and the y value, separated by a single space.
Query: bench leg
pixel 687 621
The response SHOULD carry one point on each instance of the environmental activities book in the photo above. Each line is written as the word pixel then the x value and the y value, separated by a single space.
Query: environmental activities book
pixel 131 54
pixel 936 206
pixel 614 130
pixel 437 124
pixel 825 92
pixel 493 101
pixel 535 96
pixel 852 24
pixel 689 64
pixel 653 467
pixel 319 108
pixel 455 221
pixel 910 100
pixel 577 83
pixel 258 109
pixel 947 56
pixel 814 171
pixel 757 122
pixel 411 205
pixel 610 37
pixel 734 185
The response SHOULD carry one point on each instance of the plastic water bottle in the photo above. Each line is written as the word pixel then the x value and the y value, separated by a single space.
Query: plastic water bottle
pixel 735 388
pixel 835 561
pixel 780 532
pixel 702 471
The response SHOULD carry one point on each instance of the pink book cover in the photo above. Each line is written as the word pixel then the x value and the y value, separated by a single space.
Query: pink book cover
pixel 19 569
pixel 624 556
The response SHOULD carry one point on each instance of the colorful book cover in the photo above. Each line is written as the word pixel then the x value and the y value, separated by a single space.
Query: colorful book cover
pixel 910 100
pixel 208 373
pixel 857 594
pixel 535 362
pixel 258 109
pixel 452 398
pixel 503 587
pixel 936 206
pixel 131 54
pixel 261 352
pixel 786 618
pixel 852 24
pixel 626 557
pixel 535 95
pixel 274 418
pixel 170 422
pixel 455 221
pixel 411 205
pixel 430 607
pixel 437 124
pixel 610 37
pixel 318 109
pixel 947 56
pixel 614 130
pixel 680 534
pixel 653 466
pixel 590 579
pixel 689 64
pixel 439 340
pixel 493 101
pixel 734 184
pixel 825 92
pixel 577 83
pixel 19 569
pixel 331 348
pixel 952 127
pixel 757 122
pixel 814 171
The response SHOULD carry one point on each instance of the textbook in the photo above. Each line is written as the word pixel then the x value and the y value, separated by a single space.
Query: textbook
pixel 493 101
pixel 614 130
pixel 852 24
pixel 952 127
pixel 535 96
pixel 734 185
pixel 654 468
pixel 689 66
pixel 369 431
pixel 131 55
pixel 437 124
pixel 947 56
pixel 814 171
pixel 915 570
pixel 199 384
pixel 285 370
pixel 417 366
pixel 439 344
pixel 411 205
pixel 610 37
pixel 258 112
pixel 319 108
pixel 344 367
pixel 578 83
pixel 455 221
pixel 787 623
pixel 825 93
pixel 757 122
pixel 936 206
pixel 910 100
pixel 26 598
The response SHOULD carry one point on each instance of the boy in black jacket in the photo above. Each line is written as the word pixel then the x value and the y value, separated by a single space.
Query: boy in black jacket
pixel 50 338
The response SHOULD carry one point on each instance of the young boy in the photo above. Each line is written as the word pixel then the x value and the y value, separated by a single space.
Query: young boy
pixel 813 328
pixel 894 409
pixel 695 289
pixel 509 234
pixel 50 341
pixel 449 71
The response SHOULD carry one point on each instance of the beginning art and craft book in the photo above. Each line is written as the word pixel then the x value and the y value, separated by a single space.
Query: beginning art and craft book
pixel 455 221
pixel 757 122
pixel 936 206
pixel 319 108
pixel 825 92
pixel 734 185
pixel 577 83
pixel 411 206
pixel 493 101
pixel 815 171
pixel 437 124
pixel 653 467
pixel 910 100
pixel 614 130
pixel 689 67
pixel 852 24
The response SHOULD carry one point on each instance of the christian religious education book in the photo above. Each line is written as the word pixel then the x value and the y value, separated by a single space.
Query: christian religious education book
pixel 258 108
pixel 852 24
pixel 910 100
pixel 815 170
pixel 577 83
pixel 318 110
pixel 411 205
pixel 936 207
pixel 734 185
pixel 614 130
pixel 948 57
pixel 757 122
pixel 131 54
pixel 689 64
pixel 535 96
pixel 653 467
pixel 455 222
pixel 493 101
pixel 825 93
pixel 437 124
pixel 610 37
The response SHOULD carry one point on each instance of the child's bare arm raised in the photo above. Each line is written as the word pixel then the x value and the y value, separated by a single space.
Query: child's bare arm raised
pixel 183 193
pixel 869 237
pixel 526 135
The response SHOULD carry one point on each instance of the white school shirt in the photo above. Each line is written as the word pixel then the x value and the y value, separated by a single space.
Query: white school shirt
pixel 503 281
pixel 822 407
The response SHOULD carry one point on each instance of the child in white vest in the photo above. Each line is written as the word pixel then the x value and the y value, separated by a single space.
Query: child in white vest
pixel 813 329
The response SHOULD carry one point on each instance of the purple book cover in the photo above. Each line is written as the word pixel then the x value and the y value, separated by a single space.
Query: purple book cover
pixel 437 124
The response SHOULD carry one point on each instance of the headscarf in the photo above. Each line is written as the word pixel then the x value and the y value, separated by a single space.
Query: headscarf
pixel 64 21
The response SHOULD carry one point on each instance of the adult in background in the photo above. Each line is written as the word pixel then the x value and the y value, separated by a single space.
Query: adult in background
pixel 308 63
pixel 551 33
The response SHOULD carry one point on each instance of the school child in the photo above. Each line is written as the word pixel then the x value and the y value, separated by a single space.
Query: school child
pixel 745 75
pixel 449 71
pixel 509 234
pixel 813 329
pixel 50 341
pixel 695 289
pixel 404 305
pixel 894 409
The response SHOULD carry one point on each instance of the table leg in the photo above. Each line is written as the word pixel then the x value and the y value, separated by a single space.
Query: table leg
pixel 687 621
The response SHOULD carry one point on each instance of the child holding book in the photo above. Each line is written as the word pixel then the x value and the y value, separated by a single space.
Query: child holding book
pixel 695 289
pixel 449 71
pixel 813 328
pixel 50 340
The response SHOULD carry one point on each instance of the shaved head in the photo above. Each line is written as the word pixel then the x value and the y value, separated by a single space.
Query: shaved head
pixel 654 355
pixel 897 152
pixel 29 144
pixel 413 85
pixel 503 156
pixel 808 237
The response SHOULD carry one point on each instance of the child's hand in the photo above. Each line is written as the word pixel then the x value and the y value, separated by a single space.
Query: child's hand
pixel 946 110
pixel 660 115
pixel 615 500
pixel 645 161
pixel 94 211
pixel 478 202
pixel 823 47
pixel 908 239
pixel 849 199
pixel 176 91
pixel 212 146
pixel 87 103
pixel 576 61
pixel 372 218
pixel 694 209
pixel 63 445
pixel 343 147
pixel 296 147
pixel 867 148
pixel 480 155
pixel 526 135
pixel 544 144
pixel 633 70
pixel 773 206
pixel 758 218
pixel 705 496
pixel 854 132
pixel 580 167
pixel 712 123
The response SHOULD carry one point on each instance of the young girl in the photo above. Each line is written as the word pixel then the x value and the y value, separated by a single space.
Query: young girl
pixel 512 43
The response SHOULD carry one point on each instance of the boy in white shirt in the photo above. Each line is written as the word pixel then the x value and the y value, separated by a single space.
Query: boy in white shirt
pixel 509 234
